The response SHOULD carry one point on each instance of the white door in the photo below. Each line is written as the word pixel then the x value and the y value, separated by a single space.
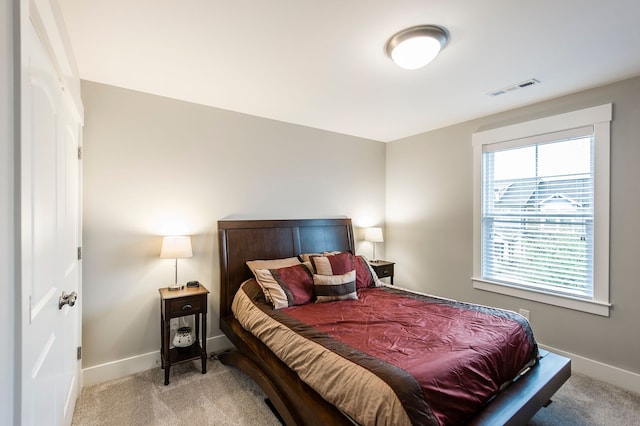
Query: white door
pixel 50 226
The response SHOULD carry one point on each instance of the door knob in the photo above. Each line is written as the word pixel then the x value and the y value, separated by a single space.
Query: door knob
pixel 67 299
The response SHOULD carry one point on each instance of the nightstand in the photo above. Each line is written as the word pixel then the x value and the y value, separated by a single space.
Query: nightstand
pixel 383 268
pixel 180 303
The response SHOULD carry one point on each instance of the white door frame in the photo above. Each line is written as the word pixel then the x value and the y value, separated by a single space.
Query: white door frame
pixel 9 296
pixel 46 18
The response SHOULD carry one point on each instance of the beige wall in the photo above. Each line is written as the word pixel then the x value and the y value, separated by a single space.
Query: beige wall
pixel 429 216
pixel 155 166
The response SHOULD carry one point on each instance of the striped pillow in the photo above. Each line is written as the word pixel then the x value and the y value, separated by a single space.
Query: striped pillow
pixel 341 263
pixel 289 286
pixel 270 264
pixel 328 288
pixel 306 257
pixel 332 264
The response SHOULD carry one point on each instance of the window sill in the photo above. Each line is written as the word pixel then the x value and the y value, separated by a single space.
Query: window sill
pixel 592 307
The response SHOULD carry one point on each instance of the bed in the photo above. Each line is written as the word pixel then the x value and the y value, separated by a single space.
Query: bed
pixel 295 401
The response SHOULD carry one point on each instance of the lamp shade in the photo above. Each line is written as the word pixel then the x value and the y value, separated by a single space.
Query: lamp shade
pixel 373 235
pixel 176 247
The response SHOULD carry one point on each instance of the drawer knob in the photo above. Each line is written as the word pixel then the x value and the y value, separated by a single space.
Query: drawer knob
pixel 187 307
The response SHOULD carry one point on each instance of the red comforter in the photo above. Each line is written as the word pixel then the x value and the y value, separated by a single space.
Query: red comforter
pixel 444 359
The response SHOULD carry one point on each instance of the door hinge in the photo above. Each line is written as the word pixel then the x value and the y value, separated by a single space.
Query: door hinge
pixel 79 153
pixel 79 253
pixel 79 353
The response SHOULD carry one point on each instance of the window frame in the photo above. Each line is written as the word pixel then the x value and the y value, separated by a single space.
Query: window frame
pixel 600 118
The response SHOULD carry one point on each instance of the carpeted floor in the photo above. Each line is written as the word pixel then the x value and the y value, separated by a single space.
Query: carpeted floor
pixel 583 401
pixel 225 396
pixel 222 396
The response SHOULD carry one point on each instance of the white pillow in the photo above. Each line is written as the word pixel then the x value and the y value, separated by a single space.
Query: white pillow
pixel 272 263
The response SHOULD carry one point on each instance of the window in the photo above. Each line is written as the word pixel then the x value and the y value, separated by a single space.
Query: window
pixel 541 210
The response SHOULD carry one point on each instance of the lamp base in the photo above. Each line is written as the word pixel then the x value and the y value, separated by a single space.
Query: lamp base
pixel 176 287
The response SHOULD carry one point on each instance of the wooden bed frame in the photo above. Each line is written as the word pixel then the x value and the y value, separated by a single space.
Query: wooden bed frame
pixel 295 401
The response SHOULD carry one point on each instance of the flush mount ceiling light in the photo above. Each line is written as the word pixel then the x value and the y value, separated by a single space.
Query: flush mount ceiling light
pixel 415 47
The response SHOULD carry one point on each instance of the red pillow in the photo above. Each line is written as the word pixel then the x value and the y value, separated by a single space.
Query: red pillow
pixel 289 286
pixel 333 264
pixel 364 277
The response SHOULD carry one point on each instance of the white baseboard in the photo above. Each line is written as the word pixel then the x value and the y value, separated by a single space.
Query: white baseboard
pixel 600 371
pixel 135 364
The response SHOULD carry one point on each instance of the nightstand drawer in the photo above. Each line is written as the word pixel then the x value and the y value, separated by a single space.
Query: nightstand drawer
pixel 185 306
pixel 384 271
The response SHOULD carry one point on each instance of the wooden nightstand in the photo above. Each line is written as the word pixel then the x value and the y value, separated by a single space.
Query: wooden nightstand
pixel 383 268
pixel 180 303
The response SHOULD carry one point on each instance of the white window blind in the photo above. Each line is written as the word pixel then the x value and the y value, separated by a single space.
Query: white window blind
pixel 541 209
pixel 537 212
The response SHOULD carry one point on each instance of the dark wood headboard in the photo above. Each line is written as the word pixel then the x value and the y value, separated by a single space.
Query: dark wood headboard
pixel 242 240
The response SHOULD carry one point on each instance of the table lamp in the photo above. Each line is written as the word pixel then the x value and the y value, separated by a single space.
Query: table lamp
pixel 374 235
pixel 176 247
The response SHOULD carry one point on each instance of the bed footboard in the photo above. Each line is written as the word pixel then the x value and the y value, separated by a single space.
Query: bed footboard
pixel 522 399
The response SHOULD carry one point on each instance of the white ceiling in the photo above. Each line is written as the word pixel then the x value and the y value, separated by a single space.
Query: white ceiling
pixel 322 63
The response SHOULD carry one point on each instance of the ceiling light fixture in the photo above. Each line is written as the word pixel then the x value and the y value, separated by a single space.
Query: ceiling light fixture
pixel 415 47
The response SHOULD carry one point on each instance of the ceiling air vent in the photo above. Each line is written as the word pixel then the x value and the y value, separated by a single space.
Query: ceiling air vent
pixel 522 85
